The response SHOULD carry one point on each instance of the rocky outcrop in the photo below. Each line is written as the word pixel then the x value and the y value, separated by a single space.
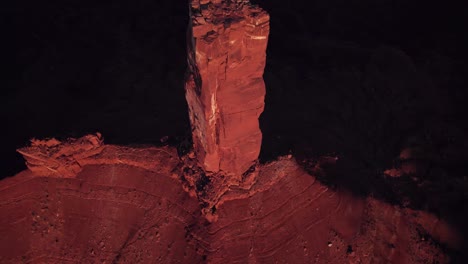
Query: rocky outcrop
pixel 51 157
pixel 66 159
pixel 127 205
pixel 224 86
pixel 123 206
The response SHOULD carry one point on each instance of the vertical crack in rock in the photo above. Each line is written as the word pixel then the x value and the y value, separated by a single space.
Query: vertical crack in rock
pixel 225 90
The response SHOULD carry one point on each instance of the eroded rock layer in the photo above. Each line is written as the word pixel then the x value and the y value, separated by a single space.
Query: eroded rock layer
pixel 128 205
pixel 122 206
pixel 289 217
pixel 225 90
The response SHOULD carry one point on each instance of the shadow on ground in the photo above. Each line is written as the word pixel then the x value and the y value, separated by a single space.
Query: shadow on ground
pixel 364 93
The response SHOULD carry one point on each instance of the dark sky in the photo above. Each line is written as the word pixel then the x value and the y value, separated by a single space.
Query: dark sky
pixel 117 67
pixel 80 66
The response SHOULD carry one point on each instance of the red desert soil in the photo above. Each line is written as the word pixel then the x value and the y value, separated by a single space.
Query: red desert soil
pixel 82 201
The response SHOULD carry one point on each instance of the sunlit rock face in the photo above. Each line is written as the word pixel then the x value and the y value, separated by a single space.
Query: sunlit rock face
pixel 225 90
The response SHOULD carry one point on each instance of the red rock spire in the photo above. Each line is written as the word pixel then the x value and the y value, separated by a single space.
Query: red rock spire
pixel 224 87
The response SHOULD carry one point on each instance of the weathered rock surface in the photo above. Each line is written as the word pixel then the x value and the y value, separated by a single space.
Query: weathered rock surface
pixel 289 217
pixel 122 206
pixel 127 205
pixel 54 158
pixel 225 90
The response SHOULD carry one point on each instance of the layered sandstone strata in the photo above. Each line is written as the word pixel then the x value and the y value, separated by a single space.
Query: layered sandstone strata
pixel 127 205
pixel 225 90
